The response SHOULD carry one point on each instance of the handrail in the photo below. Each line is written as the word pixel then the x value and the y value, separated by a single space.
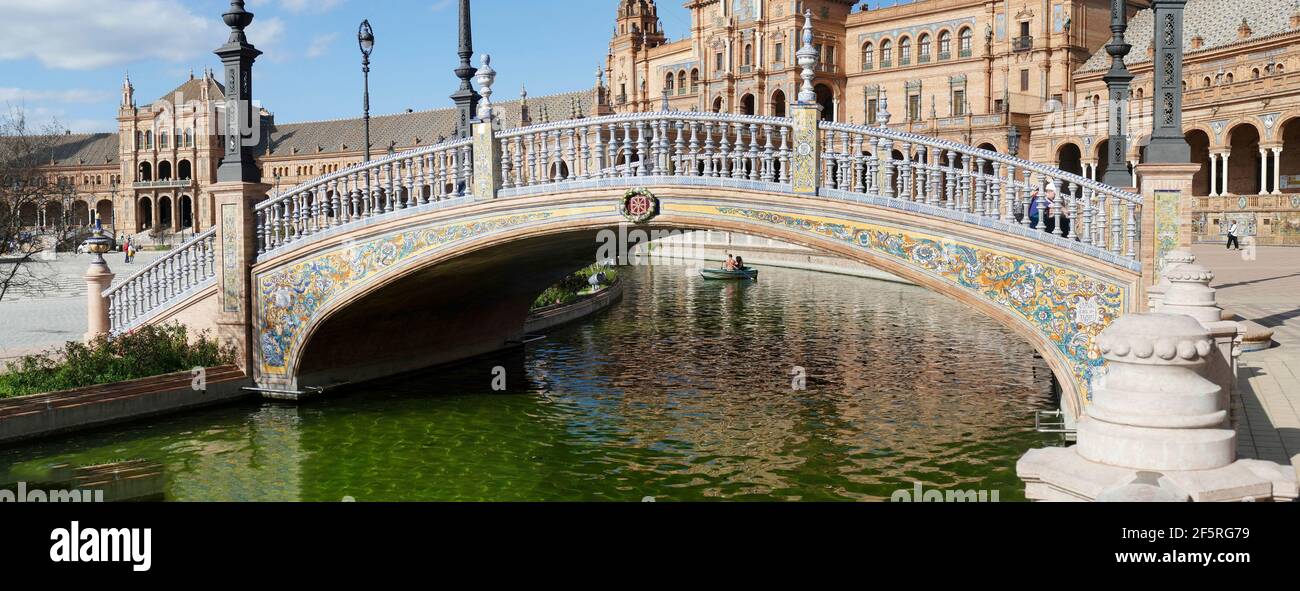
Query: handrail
pixel 210 233
pixel 162 283
pixel 985 154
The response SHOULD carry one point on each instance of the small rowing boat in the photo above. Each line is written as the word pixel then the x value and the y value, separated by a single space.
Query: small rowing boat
pixel 748 273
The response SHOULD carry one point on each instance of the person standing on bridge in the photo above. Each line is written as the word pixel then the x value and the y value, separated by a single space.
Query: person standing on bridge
pixel 1232 236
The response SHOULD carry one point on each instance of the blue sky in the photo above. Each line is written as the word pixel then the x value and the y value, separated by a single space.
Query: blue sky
pixel 65 59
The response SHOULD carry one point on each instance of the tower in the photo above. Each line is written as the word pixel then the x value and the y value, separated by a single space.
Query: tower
pixel 636 29
pixel 128 94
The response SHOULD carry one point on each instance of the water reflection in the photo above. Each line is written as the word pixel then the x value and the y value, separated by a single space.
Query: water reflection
pixel 683 391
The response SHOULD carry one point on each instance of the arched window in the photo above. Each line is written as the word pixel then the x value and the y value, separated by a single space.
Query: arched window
pixel 868 56
pixel 681 82
pixel 1205 83
pixel 964 43
pixel 148 140
pixel 695 80
pixel 668 83
pixel 886 53
pixel 945 45
pixel 189 138
pixel 162 139
pixel 1254 74
pixel 1229 78
pixel 905 51
pixel 749 55
pixel 923 48
pixel 139 140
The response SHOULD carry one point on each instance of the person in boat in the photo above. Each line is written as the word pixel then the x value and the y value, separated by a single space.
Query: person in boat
pixel 730 264
pixel 740 264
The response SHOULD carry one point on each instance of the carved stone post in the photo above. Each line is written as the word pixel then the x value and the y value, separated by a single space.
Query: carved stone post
pixel 1171 261
pixel 1190 293
pixel 98 278
pixel 487 148
pixel 805 165
pixel 1156 428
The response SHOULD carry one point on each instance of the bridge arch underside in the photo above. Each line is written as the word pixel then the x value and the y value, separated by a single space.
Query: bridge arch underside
pixel 450 284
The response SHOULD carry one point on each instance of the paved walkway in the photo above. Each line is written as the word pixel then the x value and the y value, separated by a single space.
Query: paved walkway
pixel 31 322
pixel 1267 291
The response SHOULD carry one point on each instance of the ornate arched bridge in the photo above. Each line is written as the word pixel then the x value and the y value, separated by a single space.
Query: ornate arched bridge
pixel 435 254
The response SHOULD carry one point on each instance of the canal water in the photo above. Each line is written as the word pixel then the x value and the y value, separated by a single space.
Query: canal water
pixel 803 386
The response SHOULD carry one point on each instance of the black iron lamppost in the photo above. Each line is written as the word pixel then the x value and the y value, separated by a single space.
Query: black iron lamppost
pixel 1168 144
pixel 1013 141
pixel 1118 82
pixel 366 40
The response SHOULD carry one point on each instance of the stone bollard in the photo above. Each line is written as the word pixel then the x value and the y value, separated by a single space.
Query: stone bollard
pixel 98 278
pixel 1189 293
pixel 1172 260
pixel 1153 409
pixel 1156 428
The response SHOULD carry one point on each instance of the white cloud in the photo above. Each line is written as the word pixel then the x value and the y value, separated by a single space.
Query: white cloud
pixel 441 5
pixel 90 34
pixel 71 95
pixel 320 44
pixel 300 6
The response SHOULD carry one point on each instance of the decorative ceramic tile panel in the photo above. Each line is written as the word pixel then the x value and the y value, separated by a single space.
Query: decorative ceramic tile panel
pixel 1067 307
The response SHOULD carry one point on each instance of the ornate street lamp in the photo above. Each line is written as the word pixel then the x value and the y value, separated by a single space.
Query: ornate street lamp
pixel 1013 141
pixel 366 40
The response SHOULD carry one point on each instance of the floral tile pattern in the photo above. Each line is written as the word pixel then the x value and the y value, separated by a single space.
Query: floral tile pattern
pixel 1069 308
pixel 290 298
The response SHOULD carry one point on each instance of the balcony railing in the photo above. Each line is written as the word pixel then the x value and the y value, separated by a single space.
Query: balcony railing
pixel 746 69
pixel 827 68
pixel 1022 43
pixel 945 55
pixel 965 53
pixel 167 184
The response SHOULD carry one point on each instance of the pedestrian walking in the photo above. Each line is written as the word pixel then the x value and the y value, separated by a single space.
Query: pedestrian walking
pixel 1233 243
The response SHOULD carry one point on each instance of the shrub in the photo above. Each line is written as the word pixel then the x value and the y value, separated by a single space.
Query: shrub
pixel 572 288
pixel 146 352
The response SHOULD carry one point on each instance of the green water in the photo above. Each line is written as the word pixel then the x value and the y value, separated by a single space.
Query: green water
pixel 683 391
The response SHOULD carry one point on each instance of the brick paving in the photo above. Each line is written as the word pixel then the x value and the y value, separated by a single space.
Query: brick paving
pixel 1266 290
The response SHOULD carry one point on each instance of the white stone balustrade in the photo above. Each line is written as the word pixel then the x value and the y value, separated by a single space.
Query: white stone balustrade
pixel 1189 293
pixel 163 283
pixel 1172 260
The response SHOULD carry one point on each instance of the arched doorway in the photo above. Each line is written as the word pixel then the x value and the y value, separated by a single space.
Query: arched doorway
pixel 1199 141
pixel 186 212
pixel 1244 160
pixel 747 105
pixel 164 171
pixel 717 105
pixel 146 172
pixel 165 213
pixel 778 104
pixel 81 213
pixel 28 215
pixel 1070 159
pixel 104 211
pixel 826 98
pixel 144 214
pixel 184 171
pixel 53 214
pixel 1289 172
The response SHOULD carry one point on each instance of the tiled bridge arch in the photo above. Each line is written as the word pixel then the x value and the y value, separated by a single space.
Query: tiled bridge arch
pixel 949 217
pixel 1058 299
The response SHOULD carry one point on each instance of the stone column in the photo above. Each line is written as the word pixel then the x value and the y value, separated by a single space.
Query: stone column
pixel 487 148
pixel 1158 183
pixel 236 251
pixel 1214 175
pixel 1277 170
pixel 1156 429
pixel 98 278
